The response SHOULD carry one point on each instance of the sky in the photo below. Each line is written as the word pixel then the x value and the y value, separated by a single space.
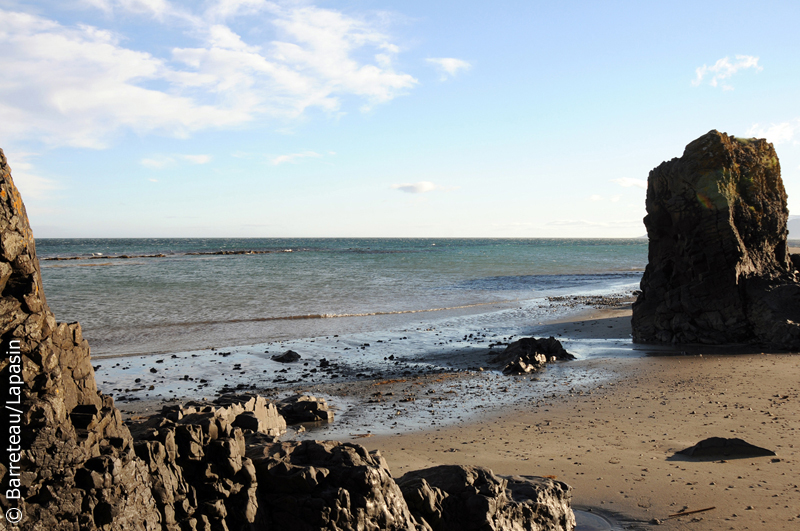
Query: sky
pixel 368 118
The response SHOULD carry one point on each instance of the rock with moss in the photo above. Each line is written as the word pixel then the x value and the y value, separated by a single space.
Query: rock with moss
pixel 718 270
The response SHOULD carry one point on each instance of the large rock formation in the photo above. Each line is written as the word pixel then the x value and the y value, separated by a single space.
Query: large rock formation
pixel 719 270
pixel 78 465
pixel 74 465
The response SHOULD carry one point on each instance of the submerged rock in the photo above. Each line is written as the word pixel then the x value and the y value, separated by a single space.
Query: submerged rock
pixel 530 354
pixel 718 266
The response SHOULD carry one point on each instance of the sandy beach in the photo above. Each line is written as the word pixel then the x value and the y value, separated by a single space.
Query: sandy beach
pixel 612 437
pixel 615 444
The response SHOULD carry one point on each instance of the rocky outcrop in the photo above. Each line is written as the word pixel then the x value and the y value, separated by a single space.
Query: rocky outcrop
pixel 304 408
pixel 718 266
pixel 77 460
pixel 328 485
pixel 74 465
pixel 466 498
pixel 530 354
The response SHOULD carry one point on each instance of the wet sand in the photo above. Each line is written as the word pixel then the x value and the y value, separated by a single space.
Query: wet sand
pixel 615 444
pixel 608 424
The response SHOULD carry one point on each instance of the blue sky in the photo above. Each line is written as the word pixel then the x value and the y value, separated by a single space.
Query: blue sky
pixel 136 118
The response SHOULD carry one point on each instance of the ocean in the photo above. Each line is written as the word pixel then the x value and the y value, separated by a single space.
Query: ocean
pixel 155 296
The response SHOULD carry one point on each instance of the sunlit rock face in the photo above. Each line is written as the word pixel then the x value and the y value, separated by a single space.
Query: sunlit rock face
pixel 78 466
pixel 719 270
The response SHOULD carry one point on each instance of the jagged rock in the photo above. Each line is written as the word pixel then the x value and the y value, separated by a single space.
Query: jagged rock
pixel 202 467
pixel 290 356
pixel 719 270
pixel 530 354
pixel 77 458
pixel 304 408
pixel 465 498
pixel 328 485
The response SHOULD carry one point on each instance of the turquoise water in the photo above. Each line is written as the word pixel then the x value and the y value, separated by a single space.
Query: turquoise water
pixel 294 288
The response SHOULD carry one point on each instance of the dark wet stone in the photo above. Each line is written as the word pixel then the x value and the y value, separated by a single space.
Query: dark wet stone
pixel 723 447
pixel 290 356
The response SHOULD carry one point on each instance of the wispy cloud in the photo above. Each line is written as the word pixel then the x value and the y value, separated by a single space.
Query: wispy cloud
pixel 627 182
pixel 448 66
pixel 162 161
pixel 781 133
pixel 80 85
pixel 420 187
pixel 294 156
pixel 157 163
pixel 197 159
pixel 26 177
pixel 724 69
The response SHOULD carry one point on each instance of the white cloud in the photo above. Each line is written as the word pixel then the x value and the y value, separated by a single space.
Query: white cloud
pixel 162 161
pixel 197 159
pixel 627 182
pixel 29 183
pixel 420 187
pixel 596 197
pixel 294 156
pixel 157 163
pixel 781 133
pixel 724 68
pixel 448 66
pixel 80 85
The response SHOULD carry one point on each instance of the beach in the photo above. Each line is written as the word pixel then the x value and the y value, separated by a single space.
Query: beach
pixel 425 388
pixel 612 437
pixel 615 444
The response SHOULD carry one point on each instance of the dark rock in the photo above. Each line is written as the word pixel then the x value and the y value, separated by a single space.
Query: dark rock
pixel 328 485
pixel 304 408
pixel 530 354
pixel 719 270
pixel 67 423
pixel 195 467
pixel 290 356
pixel 463 498
pixel 717 447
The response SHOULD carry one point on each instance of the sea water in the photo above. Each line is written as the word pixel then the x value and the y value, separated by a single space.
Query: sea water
pixel 200 295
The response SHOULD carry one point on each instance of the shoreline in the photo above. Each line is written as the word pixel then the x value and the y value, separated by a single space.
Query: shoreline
pixel 612 439
pixel 615 444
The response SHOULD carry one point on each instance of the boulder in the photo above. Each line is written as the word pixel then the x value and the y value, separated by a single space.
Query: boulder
pixel 718 266
pixel 468 498
pixel 719 447
pixel 304 408
pixel 328 485
pixel 290 356
pixel 530 354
